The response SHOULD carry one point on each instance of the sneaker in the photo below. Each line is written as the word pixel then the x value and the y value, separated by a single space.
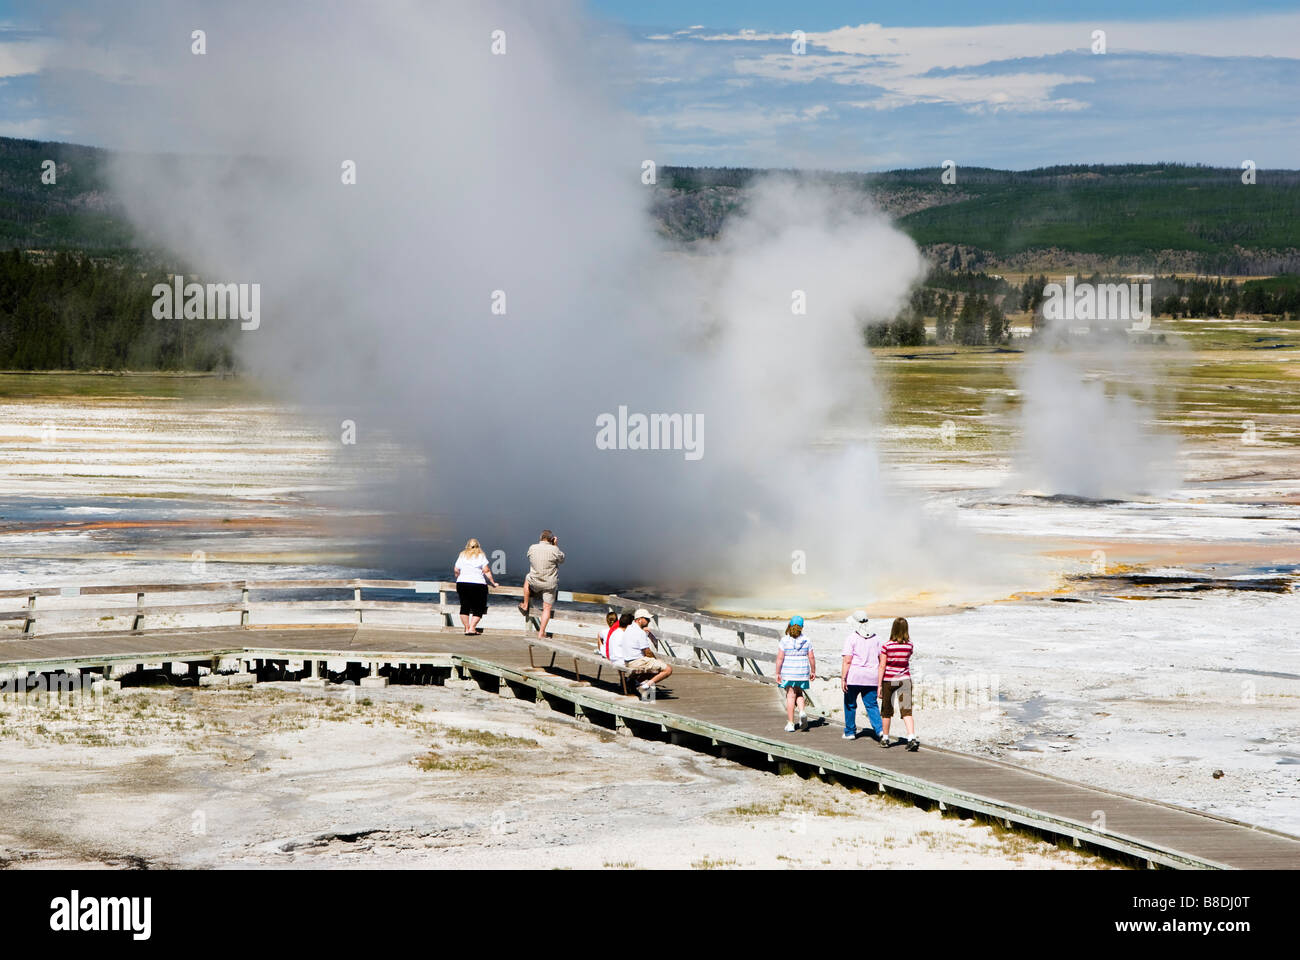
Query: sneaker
pixel 803 720
pixel 914 745
pixel 789 728
pixel 848 736
pixel 645 690
pixel 886 742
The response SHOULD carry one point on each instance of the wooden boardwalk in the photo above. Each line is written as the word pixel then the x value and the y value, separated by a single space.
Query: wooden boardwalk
pixel 738 717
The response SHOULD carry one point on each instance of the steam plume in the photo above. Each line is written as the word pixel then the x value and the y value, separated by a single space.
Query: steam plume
pixel 517 173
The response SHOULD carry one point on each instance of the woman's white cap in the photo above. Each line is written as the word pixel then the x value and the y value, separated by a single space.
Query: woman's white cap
pixel 858 616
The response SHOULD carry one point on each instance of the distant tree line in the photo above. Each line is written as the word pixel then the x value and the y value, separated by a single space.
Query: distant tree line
pixel 1204 297
pixel 968 281
pixel 978 321
pixel 71 313
pixel 1178 297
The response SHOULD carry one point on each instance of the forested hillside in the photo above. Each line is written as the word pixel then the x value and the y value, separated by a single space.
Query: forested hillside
pixel 1156 218
pixel 75 212
pixel 71 313
pixel 76 289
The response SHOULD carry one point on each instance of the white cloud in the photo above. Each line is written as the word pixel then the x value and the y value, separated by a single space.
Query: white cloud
pixel 21 57
pixel 33 129
pixel 904 61
pixel 922 48
pixel 1026 92
pixel 743 119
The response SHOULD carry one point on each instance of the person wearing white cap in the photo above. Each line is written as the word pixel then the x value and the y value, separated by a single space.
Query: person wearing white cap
pixel 636 653
pixel 860 676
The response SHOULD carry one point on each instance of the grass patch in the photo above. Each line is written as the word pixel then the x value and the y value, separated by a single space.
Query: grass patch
pixel 757 810
pixel 434 762
pixel 485 738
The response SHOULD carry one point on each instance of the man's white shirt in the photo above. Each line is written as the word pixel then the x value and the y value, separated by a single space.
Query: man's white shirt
pixel 630 642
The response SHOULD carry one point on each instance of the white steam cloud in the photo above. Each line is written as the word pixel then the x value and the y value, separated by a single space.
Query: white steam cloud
pixel 517 173
pixel 1085 420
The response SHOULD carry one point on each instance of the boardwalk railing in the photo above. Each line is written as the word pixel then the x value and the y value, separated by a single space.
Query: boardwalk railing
pixel 428 600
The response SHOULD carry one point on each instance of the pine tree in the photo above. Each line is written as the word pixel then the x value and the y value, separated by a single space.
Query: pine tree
pixel 997 324
pixel 969 330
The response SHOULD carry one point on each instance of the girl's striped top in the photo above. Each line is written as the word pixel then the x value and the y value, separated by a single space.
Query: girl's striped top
pixel 795 664
pixel 898 658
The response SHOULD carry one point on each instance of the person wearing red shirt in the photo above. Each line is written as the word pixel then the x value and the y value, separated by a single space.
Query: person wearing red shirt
pixel 896 681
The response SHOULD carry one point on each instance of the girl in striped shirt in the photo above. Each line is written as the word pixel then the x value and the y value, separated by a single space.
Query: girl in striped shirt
pixel 896 680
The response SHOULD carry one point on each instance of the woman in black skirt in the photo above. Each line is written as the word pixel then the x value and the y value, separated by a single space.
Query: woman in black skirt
pixel 472 578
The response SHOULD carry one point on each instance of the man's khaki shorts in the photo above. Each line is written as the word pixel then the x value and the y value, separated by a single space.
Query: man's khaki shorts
pixel 904 690
pixel 647 665
pixel 547 592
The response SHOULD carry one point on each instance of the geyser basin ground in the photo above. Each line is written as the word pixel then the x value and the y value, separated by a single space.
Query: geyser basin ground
pixel 1132 685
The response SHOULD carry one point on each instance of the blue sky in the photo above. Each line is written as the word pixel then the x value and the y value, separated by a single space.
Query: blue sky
pixel 1012 84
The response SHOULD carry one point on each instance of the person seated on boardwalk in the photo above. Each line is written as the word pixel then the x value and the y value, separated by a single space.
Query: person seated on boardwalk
pixel 614 639
pixel 636 653
pixel 896 681
pixel 795 668
pixel 544 559
pixel 611 624
pixel 473 574
pixel 860 676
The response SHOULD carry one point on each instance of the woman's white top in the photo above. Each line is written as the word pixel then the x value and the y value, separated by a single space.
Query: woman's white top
pixel 471 570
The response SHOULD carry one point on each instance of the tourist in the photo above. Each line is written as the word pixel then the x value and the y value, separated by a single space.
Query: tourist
pixel 795 668
pixel 473 574
pixel 896 681
pixel 544 559
pixel 860 676
pixel 611 624
pixel 614 640
pixel 636 653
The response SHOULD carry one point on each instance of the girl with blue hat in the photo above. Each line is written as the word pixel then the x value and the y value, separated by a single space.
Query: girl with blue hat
pixel 795 668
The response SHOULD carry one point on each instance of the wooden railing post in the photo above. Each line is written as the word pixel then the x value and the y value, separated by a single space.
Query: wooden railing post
pixel 740 636
pixel 531 622
pixel 356 598
pixel 243 599
pixel 702 652
pixel 442 608
pixel 139 611
pixel 663 640
pixel 30 621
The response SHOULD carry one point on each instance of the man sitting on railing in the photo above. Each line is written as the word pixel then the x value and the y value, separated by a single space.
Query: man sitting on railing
pixel 634 651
